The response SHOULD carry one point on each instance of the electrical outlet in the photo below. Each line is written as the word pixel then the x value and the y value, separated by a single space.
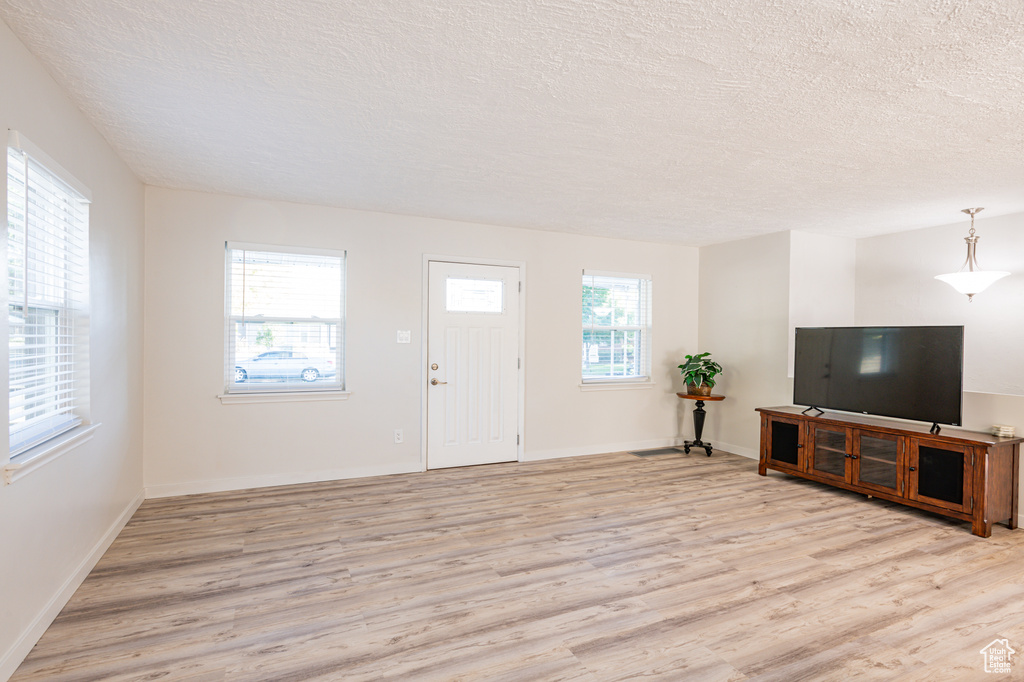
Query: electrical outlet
pixel 398 436
pixel 405 336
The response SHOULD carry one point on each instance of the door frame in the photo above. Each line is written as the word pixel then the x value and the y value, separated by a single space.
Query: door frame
pixel 428 258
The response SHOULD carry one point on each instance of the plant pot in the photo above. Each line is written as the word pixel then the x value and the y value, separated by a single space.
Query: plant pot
pixel 694 389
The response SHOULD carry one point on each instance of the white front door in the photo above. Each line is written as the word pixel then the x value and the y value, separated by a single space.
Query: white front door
pixel 472 364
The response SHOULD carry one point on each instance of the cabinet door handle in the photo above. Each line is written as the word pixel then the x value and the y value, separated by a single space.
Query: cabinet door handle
pixel 913 469
pixel 853 456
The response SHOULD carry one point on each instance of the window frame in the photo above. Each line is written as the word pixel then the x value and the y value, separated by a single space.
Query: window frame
pixel 288 391
pixel 645 329
pixel 34 452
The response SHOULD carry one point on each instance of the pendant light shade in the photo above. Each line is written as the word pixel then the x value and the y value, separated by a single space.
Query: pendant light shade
pixel 971 279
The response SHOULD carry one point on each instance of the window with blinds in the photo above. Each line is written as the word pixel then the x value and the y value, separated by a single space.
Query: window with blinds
pixel 616 327
pixel 48 290
pixel 285 319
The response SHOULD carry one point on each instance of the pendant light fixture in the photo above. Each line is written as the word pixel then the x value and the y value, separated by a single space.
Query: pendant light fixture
pixel 971 279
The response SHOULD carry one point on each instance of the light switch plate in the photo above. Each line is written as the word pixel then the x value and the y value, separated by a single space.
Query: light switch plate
pixel 404 336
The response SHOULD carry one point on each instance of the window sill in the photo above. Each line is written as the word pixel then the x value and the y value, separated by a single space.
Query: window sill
pixel 615 385
pixel 44 453
pixel 282 397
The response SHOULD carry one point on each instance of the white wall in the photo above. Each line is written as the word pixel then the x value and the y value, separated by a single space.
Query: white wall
pixel 57 520
pixel 822 280
pixel 194 443
pixel 896 285
pixel 744 323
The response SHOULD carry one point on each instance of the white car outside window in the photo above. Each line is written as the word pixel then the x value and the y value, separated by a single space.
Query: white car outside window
pixel 284 365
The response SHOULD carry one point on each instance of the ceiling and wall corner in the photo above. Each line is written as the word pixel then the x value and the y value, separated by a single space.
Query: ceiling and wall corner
pixel 685 121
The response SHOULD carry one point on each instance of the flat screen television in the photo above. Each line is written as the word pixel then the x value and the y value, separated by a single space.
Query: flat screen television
pixel 904 372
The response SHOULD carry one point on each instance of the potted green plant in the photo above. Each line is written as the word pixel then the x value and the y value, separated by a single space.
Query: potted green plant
pixel 699 373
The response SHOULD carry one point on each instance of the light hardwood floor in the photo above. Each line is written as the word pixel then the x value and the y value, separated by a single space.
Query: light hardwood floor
pixel 679 567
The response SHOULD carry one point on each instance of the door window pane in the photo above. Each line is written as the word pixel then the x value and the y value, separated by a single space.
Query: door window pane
pixel 474 295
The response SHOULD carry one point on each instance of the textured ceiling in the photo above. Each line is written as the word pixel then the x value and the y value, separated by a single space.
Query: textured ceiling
pixel 693 121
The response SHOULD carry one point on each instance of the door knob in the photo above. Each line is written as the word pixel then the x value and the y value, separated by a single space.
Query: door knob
pixel 435 382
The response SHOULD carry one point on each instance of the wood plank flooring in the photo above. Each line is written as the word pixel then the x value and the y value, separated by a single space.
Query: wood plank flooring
pixel 611 567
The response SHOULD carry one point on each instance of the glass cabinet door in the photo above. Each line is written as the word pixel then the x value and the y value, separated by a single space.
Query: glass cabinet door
pixel 829 453
pixel 877 461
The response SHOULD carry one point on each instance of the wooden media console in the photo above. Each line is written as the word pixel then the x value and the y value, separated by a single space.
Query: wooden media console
pixel 965 475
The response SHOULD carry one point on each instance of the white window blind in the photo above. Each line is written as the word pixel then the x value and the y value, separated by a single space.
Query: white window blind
pixel 285 319
pixel 48 290
pixel 616 327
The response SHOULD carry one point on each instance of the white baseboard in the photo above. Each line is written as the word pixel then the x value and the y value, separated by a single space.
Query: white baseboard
pixel 220 485
pixel 13 657
pixel 749 453
pixel 601 448
pixel 636 445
